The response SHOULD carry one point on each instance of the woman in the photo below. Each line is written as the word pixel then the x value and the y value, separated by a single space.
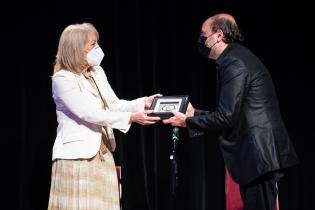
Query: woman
pixel 83 169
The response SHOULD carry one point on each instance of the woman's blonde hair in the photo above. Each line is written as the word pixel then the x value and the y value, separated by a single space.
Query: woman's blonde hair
pixel 70 55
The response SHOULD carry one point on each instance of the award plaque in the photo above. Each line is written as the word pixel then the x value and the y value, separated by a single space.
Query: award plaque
pixel 163 106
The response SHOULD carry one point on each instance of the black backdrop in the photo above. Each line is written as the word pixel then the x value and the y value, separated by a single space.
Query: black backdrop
pixel 150 47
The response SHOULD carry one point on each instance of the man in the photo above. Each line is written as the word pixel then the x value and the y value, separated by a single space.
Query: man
pixel 253 139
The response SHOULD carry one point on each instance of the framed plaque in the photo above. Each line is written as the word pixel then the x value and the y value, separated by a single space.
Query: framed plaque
pixel 163 106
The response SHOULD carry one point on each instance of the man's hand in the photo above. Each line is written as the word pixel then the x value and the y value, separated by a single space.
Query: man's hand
pixel 142 118
pixel 190 111
pixel 148 100
pixel 179 119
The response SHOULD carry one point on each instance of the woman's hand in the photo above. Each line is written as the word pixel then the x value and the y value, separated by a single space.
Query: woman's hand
pixel 148 100
pixel 142 118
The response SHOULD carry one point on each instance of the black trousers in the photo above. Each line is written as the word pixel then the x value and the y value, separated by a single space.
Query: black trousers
pixel 261 194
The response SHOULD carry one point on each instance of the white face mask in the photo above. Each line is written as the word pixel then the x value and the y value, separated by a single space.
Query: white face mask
pixel 95 56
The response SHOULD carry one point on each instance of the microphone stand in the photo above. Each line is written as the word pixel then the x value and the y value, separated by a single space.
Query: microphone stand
pixel 173 158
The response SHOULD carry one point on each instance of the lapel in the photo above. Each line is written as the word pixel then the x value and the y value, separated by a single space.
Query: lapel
pixel 101 86
pixel 218 84
pixel 86 85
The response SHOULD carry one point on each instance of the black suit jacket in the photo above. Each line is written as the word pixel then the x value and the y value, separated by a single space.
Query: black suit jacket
pixel 253 138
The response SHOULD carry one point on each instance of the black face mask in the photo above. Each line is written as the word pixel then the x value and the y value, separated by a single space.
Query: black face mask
pixel 202 48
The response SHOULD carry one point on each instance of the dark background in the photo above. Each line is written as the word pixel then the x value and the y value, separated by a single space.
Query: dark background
pixel 150 47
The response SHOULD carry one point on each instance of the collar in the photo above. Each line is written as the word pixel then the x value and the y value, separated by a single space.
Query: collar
pixel 220 59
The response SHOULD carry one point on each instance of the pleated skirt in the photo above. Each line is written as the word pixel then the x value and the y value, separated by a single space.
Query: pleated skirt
pixel 84 184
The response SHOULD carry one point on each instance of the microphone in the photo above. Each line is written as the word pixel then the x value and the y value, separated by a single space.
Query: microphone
pixel 175 135
pixel 174 178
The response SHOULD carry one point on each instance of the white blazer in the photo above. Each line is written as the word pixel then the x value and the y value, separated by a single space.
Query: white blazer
pixel 80 113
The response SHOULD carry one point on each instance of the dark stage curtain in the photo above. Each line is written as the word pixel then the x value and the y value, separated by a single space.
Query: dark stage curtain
pixel 150 47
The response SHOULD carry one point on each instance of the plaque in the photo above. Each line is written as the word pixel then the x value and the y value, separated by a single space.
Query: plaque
pixel 163 106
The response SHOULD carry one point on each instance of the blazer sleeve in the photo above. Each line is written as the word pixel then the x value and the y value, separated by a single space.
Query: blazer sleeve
pixel 200 112
pixel 68 97
pixel 233 88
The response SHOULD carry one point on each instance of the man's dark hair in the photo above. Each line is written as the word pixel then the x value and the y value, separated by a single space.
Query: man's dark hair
pixel 230 29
